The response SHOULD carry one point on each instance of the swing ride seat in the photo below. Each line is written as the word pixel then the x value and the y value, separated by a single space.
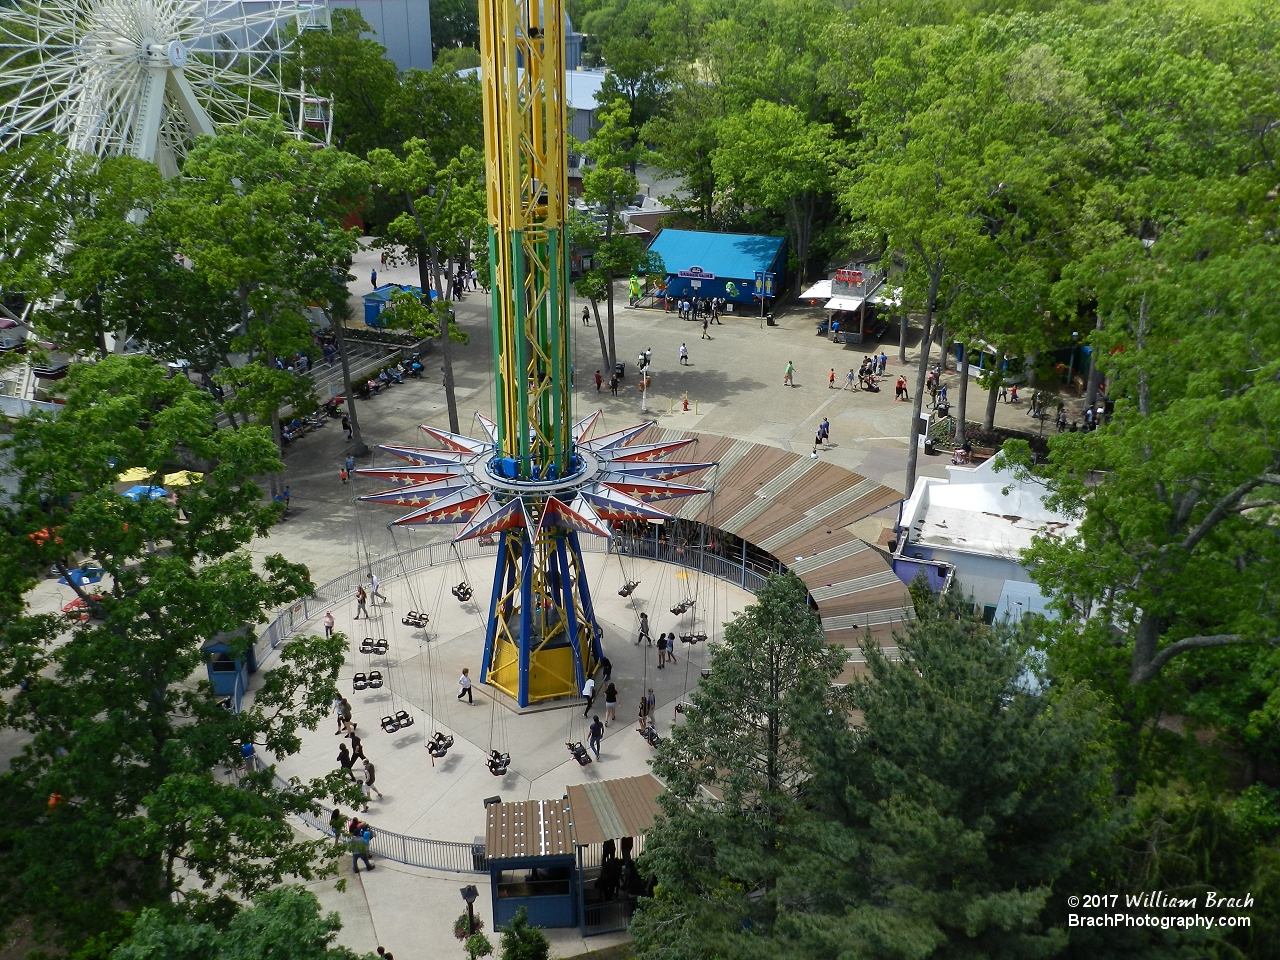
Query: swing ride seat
pixel 706 674
pixel 403 719
pixel 439 745
pixel 498 763
pixel 579 753
pixel 684 606
pixel 375 679
pixel 651 736
pixel 376 647
pixel 415 619
pixel 693 638
pixel 389 725
pixel 462 591
pixel 359 682
pixel 628 588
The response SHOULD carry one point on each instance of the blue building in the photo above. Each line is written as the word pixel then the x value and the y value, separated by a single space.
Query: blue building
pixel 721 264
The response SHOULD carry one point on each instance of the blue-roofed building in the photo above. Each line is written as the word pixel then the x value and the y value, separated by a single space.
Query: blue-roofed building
pixel 727 263
pixel 380 299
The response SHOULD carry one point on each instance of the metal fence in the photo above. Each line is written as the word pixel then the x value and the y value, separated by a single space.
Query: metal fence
pixel 448 855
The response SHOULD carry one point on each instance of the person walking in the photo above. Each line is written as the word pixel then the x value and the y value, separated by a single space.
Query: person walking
pixel 345 760
pixel 351 465
pixel 369 788
pixel 684 355
pixel 652 703
pixel 464 685
pixel 671 647
pixel 373 588
pixel 705 320
pixel 831 379
pixel 849 383
pixel 359 845
pixel 613 384
pixel 343 711
pixel 606 665
pixel 610 704
pixel 346 426
pixel 599 381
pixel 643 714
pixel 595 735
pixel 361 599
pixel 373 277
pixel 662 650
pixel 884 362
pixel 644 629
pixel 824 431
pixel 328 624
pixel 900 389
pixel 586 316
pixel 589 692
pixel 788 375
pixel 357 745
pixel 342 474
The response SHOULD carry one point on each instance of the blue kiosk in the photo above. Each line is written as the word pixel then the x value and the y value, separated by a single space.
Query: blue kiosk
pixel 379 299
pixel 704 264
pixel 230 658
pixel 570 861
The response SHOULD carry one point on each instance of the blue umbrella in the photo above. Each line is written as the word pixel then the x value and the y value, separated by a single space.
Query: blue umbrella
pixel 146 493
pixel 82 576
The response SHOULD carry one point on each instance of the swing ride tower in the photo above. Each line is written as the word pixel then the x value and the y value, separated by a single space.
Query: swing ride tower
pixel 539 480
pixel 543 639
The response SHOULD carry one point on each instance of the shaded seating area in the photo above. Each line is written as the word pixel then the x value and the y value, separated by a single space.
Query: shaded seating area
pixel 571 861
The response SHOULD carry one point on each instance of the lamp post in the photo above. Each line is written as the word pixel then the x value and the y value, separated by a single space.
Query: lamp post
pixel 644 360
pixel 469 894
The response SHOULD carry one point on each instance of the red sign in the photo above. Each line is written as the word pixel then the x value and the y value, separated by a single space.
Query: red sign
pixel 848 276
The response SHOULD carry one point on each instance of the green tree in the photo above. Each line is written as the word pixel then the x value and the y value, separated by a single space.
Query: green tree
pixel 259 212
pixel 353 73
pixel 116 801
pixel 442 216
pixel 750 729
pixel 608 187
pixel 454 24
pixel 770 159
pixel 439 108
pixel 283 923
pixel 522 941
pixel 930 808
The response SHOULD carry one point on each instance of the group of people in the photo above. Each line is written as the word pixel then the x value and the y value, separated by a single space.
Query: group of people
pixel 694 308
pixel 359 834
pixel 347 757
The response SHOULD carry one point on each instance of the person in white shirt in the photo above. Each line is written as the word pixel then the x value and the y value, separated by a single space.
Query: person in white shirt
pixel 464 685
pixel 374 592
pixel 589 691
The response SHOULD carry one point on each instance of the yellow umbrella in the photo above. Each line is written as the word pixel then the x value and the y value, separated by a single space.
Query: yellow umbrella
pixel 134 475
pixel 183 478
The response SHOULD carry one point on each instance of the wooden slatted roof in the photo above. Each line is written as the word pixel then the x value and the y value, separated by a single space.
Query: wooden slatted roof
pixel 612 809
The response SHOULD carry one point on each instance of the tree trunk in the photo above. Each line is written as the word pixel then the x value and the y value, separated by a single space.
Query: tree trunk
pixel 962 400
pixel 913 452
pixel 917 402
pixel 437 282
pixel 993 395
pixel 902 337
pixel 273 482
pixel 942 344
pixel 360 449
pixel 1091 390
pixel 613 349
pixel 604 347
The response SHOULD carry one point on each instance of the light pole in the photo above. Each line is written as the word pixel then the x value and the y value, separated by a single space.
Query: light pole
pixel 469 894
pixel 643 363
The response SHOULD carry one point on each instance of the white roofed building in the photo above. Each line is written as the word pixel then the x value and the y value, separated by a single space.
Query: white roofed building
pixel 968 533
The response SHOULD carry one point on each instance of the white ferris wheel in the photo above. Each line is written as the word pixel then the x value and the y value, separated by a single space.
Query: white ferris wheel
pixel 144 77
